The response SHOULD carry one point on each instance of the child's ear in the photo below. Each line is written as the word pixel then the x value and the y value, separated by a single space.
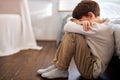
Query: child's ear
pixel 91 15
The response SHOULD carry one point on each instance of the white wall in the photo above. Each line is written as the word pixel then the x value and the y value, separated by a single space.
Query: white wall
pixel 44 18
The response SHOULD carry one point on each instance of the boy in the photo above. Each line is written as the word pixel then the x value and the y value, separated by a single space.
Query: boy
pixel 88 39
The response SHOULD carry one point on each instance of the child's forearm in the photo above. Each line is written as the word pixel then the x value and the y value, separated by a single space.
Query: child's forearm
pixel 86 24
pixel 75 28
pixel 75 21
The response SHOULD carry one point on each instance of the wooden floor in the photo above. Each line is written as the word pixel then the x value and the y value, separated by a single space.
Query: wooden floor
pixel 24 65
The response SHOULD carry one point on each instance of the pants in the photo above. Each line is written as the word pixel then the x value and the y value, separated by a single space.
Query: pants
pixel 74 45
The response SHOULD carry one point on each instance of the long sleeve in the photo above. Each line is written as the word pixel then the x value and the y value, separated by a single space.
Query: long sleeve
pixel 76 28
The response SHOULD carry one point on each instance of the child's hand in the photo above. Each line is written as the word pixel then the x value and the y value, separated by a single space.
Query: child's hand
pixel 86 24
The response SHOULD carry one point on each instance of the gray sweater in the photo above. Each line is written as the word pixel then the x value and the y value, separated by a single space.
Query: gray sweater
pixel 100 40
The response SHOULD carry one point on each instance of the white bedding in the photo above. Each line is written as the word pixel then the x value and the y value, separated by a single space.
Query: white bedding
pixel 109 10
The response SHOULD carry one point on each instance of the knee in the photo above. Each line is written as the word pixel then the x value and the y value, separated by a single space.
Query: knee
pixel 69 35
pixel 73 35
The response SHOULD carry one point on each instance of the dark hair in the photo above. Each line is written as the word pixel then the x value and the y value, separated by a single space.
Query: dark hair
pixel 84 7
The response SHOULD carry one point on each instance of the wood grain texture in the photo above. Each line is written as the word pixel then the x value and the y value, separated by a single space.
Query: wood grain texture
pixel 24 65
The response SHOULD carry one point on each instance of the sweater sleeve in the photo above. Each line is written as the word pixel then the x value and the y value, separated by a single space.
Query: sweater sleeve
pixel 76 28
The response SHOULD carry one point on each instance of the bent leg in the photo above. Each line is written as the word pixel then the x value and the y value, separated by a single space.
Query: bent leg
pixel 75 45
pixel 84 60
pixel 65 51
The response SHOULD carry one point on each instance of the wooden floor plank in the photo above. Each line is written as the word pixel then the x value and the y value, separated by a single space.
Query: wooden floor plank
pixel 24 64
